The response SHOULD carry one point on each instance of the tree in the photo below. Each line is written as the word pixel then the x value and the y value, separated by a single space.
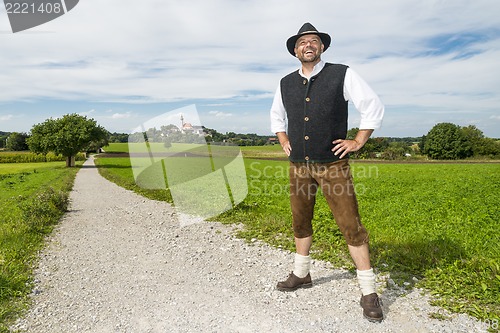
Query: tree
pixel 445 141
pixel 481 145
pixel 118 137
pixel 67 136
pixel 167 143
pixel 396 150
pixel 421 144
pixel 3 139
pixel 351 134
pixel 490 148
pixel 17 141
pixel 473 134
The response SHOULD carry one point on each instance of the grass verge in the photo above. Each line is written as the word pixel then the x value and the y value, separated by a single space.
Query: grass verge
pixel 33 197
pixel 119 171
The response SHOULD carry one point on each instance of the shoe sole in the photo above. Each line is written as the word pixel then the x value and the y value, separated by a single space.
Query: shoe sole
pixel 373 320
pixel 306 285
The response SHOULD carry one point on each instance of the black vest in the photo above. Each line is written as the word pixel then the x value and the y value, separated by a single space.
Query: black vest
pixel 317 113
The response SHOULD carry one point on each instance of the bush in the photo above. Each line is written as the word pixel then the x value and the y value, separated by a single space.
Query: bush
pixel 44 209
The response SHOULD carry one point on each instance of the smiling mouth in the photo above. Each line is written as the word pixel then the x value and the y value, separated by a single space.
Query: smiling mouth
pixel 309 52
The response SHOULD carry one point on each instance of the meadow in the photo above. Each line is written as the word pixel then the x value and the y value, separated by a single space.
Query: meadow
pixel 270 151
pixel 33 197
pixel 432 225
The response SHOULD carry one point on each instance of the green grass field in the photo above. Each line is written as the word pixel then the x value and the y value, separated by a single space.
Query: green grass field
pixel 33 196
pixel 437 223
pixel 14 168
pixel 271 151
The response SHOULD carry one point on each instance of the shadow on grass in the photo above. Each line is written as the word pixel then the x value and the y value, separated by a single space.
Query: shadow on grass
pixel 109 166
pixel 405 261
pixel 413 259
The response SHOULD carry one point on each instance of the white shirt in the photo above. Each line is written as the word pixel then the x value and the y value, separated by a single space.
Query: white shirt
pixel 356 90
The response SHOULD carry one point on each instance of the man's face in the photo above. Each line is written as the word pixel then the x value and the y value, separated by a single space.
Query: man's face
pixel 309 48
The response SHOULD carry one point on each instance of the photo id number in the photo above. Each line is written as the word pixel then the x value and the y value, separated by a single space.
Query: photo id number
pixel 490 324
pixel 31 8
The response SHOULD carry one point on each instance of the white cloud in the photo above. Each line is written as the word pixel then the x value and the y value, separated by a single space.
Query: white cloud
pixel 220 114
pixel 6 117
pixel 88 113
pixel 155 51
pixel 121 115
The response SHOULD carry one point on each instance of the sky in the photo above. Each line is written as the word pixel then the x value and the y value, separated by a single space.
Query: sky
pixel 124 62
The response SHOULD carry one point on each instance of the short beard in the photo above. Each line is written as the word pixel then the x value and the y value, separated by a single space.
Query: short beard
pixel 309 60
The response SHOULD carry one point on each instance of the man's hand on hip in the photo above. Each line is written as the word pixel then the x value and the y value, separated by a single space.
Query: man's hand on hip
pixel 344 147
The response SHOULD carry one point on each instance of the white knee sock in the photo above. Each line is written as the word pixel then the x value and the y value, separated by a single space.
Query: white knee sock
pixel 302 265
pixel 366 280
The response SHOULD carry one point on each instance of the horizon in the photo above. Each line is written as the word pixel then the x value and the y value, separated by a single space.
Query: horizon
pixel 264 135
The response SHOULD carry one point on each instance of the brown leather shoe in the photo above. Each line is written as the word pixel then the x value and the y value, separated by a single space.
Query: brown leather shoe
pixel 372 309
pixel 293 283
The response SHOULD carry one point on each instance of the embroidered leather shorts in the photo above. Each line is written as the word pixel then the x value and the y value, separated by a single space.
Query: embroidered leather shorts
pixel 335 181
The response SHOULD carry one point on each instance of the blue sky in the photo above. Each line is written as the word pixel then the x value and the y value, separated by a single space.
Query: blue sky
pixel 124 62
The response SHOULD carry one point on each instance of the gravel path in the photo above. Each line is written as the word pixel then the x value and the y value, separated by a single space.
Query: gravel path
pixel 121 263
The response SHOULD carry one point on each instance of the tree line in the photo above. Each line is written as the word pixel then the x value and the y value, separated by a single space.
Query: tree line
pixel 175 135
pixel 445 141
pixel 73 133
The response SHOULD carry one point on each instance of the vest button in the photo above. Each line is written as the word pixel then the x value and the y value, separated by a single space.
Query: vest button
pixel 308 99
pixel 306 118
pixel 305 82
pixel 306 137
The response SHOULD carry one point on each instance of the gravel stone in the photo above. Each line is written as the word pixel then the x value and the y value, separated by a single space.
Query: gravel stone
pixel 120 263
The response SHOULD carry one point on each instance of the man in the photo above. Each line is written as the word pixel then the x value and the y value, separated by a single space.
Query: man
pixel 313 102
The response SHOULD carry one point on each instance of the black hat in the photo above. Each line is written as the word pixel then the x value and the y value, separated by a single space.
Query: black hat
pixel 306 29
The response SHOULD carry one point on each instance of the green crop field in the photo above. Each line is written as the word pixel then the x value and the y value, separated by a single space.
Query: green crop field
pixel 29 157
pixel 16 168
pixel 271 151
pixel 433 225
pixel 33 196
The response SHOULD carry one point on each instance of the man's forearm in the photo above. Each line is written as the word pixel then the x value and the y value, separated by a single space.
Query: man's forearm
pixel 282 137
pixel 363 136
pixel 284 142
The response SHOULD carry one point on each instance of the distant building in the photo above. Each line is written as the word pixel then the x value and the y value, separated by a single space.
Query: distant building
pixel 188 128
pixel 272 140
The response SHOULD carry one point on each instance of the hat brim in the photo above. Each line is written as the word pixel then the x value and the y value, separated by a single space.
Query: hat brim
pixel 325 39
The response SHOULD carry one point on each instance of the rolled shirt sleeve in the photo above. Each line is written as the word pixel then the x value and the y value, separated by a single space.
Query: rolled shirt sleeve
pixel 278 113
pixel 364 99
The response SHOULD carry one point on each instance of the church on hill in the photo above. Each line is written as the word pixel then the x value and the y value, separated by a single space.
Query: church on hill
pixel 189 128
